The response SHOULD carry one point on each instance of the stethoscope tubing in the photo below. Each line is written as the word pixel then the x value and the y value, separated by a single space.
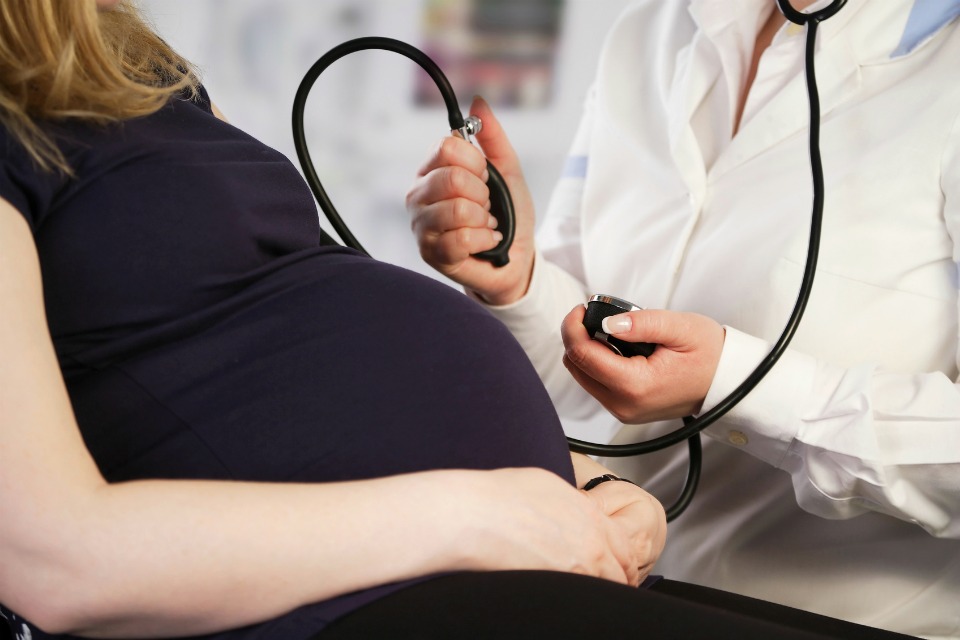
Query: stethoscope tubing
pixel 454 116
pixel 692 425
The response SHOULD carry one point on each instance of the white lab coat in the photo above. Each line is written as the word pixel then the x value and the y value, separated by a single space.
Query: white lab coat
pixel 849 502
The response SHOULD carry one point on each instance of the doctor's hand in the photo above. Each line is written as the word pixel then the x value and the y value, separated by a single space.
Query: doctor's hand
pixel 671 383
pixel 449 205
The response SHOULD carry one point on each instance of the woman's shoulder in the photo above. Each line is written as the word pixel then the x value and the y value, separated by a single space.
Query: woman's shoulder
pixel 23 182
pixel 200 97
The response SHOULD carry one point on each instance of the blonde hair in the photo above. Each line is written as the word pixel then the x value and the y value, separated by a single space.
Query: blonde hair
pixel 64 59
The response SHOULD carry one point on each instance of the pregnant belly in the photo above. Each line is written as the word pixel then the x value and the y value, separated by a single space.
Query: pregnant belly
pixel 333 367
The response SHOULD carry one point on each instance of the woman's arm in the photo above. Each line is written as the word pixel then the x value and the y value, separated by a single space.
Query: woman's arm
pixel 164 558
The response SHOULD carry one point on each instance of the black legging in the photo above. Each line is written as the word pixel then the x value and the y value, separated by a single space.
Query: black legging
pixel 542 604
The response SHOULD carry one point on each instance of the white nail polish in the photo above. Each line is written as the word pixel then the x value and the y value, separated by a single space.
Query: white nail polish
pixel 613 325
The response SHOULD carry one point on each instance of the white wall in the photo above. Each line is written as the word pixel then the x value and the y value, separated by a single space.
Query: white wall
pixel 365 136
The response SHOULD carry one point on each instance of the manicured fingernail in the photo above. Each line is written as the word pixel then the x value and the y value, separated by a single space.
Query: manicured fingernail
pixel 497 236
pixel 613 325
pixel 487 205
pixel 485 176
pixel 492 222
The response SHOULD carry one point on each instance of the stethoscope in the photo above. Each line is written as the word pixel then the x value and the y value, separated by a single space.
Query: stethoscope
pixel 502 210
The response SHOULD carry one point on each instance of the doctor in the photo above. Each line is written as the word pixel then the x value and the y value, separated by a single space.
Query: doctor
pixel 835 485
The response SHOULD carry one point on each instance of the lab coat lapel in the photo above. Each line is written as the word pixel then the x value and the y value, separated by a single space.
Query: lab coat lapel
pixel 838 77
pixel 696 71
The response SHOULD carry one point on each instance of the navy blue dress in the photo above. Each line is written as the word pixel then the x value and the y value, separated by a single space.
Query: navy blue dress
pixel 204 332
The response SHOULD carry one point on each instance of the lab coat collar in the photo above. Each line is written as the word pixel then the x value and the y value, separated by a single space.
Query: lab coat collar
pixel 864 32
pixel 893 27
pixel 927 18
pixel 701 64
pixel 838 77
pixel 871 30
pixel 714 16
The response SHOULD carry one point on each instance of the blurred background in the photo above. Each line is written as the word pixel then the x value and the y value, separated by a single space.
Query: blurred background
pixel 372 117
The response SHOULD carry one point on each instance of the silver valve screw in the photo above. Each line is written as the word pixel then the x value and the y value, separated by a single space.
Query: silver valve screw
pixel 471 126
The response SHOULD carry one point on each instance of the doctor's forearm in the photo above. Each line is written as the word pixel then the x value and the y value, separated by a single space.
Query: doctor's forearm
pixel 854 439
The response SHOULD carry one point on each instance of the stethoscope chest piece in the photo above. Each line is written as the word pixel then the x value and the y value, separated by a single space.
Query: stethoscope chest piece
pixel 603 306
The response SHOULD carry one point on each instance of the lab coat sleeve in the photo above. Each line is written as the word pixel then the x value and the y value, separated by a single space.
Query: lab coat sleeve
pixel 535 322
pixel 854 439
pixel 557 285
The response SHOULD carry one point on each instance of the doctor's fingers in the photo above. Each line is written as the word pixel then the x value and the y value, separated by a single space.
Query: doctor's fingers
pixel 493 139
pixel 691 345
pixel 626 387
pixel 454 247
pixel 676 330
pixel 595 359
pixel 641 395
pixel 628 403
pixel 454 151
pixel 449 215
pixel 447 183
